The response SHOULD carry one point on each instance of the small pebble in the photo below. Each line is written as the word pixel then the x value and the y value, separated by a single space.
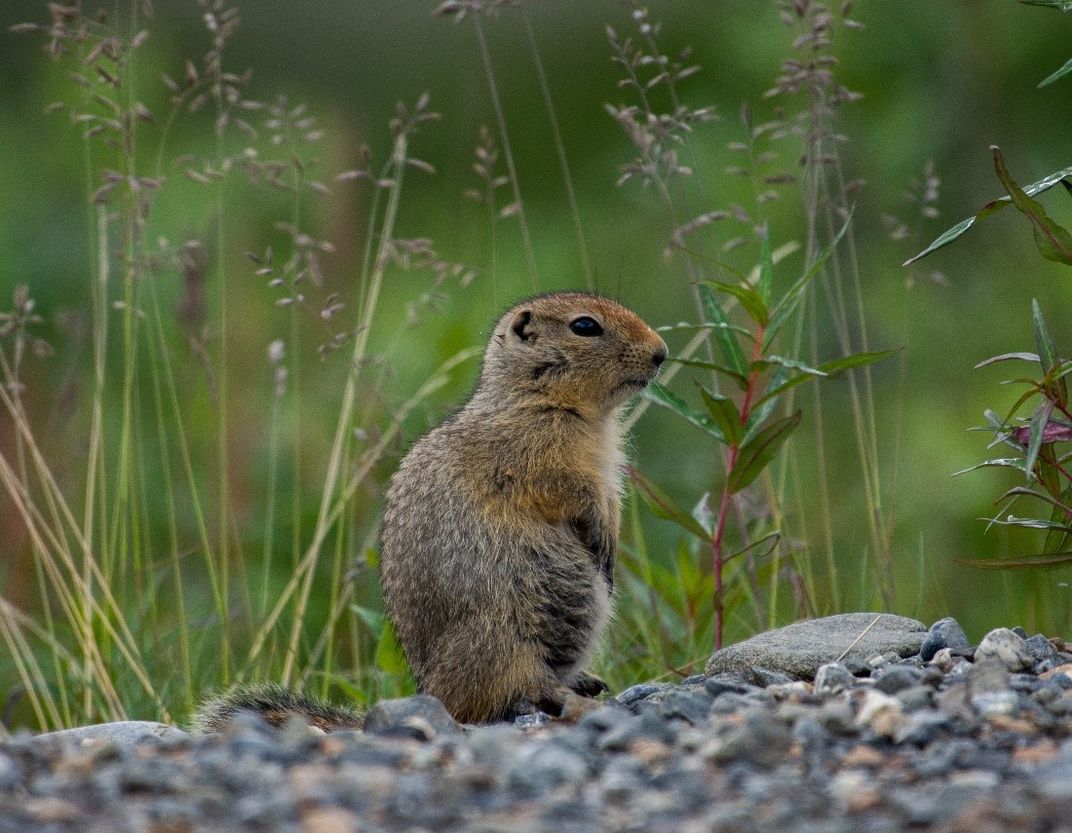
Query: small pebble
pixel 1008 647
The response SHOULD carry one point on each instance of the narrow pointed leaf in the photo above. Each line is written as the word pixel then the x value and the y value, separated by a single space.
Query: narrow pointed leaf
pixel 726 339
pixel 1053 240
pixel 750 300
pixel 1046 350
pixel 1045 561
pixel 789 302
pixel 756 454
pixel 766 267
pixel 1005 357
pixel 772 537
pixel 663 506
pixel 661 396
pixel 389 656
pixel 836 366
pixel 1023 491
pixel 1060 73
pixel 1032 523
pixel 999 462
pixel 742 381
pixel 1039 419
pixel 1061 5
pixel 956 231
pixel 725 415
pixel 775 391
pixel 792 364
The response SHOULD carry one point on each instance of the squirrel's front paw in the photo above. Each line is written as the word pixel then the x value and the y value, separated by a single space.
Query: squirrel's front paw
pixel 588 685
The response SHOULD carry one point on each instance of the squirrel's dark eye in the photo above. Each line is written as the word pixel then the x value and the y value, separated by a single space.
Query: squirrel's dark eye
pixel 585 326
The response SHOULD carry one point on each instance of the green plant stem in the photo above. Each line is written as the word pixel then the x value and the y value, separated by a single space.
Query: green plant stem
pixel 508 154
pixel 718 560
pixel 563 162
pixel 343 425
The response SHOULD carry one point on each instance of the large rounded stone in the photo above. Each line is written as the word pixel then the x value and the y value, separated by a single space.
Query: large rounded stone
pixel 121 733
pixel 799 649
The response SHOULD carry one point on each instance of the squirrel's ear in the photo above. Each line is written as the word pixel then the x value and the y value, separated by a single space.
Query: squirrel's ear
pixel 522 325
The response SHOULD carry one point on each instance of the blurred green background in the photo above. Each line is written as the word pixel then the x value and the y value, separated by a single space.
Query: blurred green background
pixel 940 83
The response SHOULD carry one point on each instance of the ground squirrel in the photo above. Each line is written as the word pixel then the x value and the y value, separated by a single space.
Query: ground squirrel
pixel 500 527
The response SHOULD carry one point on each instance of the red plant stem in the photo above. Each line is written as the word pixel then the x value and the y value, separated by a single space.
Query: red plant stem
pixel 717 555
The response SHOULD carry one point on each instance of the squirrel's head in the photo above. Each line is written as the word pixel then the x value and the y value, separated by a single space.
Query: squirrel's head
pixel 573 350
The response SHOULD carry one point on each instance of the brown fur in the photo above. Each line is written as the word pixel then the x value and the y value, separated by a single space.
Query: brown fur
pixel 274 704
pixel 501 525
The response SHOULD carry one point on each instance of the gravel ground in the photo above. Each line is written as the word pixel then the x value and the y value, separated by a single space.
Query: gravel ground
pixel 953 738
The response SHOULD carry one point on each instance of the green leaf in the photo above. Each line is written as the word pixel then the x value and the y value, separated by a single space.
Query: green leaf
pixel 686 326
pixel 750 300
pixel 1001 462
pixel 1044 561
pixel 389 656
pixel 1047 352
pixel 1060 73
pixel 724 413
pixel 1031 523
pixel 775 391
pixel 663 506
pixel 836 366
pixel 766 267
pixel 792 364
pixel 661 396
pixel 373 619
pixel 956 231
pixel 757 453
pixel 773 537
pixel 1061 5
pixel 1023 491
pixel 789 302
pixel 727 341
pixel 1005 357
pixel 742 381
pixel 1053 240
pixel 825 370
pixel 1038 423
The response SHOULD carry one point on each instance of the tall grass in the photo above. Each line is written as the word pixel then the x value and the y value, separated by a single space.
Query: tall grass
pixel 152 583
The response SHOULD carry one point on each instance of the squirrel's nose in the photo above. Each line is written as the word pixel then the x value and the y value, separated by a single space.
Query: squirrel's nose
pixel 658 357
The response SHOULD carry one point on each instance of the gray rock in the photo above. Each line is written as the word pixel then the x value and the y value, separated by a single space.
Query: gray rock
pixel 722 683
pixel 922 727
pixel 992 703
pixel 945 633
pixel 1008 647
pixel 1041 648
pixel 832 678
pixel 692 705
pixel 545 766
pixel 764 677
pixel 121 733
pixel 988 675
pixel 9 772
pixel 915 698
pixel 798 650
pixel 606 717
pixel 758 740
pixel 420 716
pixel 636 693
pixel 896 678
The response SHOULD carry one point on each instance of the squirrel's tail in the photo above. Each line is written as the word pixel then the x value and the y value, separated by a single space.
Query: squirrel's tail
pixel 275 704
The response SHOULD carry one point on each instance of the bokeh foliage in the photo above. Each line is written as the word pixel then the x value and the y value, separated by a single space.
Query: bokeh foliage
pixel 939 85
